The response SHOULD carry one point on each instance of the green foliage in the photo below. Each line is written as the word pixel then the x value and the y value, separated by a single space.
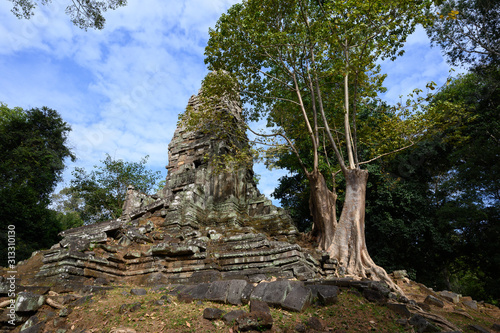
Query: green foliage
pixel 103 190
pixel 293 194
pixel 468 191
pixel 69 220
pixel 468 31
pixel 84 13
pixel 68 206
pixel 34 147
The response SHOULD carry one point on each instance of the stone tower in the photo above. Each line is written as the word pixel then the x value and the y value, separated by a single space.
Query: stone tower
pixel 199 194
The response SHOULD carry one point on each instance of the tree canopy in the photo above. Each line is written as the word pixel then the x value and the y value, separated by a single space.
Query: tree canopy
pixel 34 148
pixel 100 194
pixel 83 13
pixel 467 30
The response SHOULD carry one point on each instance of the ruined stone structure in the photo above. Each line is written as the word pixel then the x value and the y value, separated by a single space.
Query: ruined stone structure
pixel 203 226
pixel 206 236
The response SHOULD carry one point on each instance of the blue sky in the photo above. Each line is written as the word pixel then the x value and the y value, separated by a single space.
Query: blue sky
pixel 122 88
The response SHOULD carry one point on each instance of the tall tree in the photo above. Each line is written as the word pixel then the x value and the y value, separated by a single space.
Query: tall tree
pixel 402 230
pixel 103 190
pixel 305 66
pixel 84 13
pixel 34 147
pixel 468 31
pixel 467 188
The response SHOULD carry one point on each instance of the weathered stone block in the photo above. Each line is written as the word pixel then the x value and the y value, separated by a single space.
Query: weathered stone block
pixel 138 292
pixel 218 291
pixel 230 317
pixel 235 291
pixel 254 321
pixel 316 324
pixel 431 300
pixel 185 298
pixel 373 295
pixel 259 291
pixel 245 294
pixel 326 294
pixel 276 292
pixel 450 296
pixel 422 325
pixel 297 298
pixel 28 302
pixel 399 309
pixel 199 291
pixel 259 306
pixel 212 313
pixel 132 254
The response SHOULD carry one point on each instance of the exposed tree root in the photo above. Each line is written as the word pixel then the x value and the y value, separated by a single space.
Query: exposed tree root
pixel 434 318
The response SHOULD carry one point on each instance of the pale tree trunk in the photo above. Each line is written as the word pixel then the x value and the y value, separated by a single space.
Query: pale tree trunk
pixel 322 203
pixel 345 240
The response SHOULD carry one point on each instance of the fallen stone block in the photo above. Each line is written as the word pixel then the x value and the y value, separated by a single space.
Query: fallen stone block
pixel 230 317
pixel 471 304
pixel 212 313
pixel 185 298
pixel 247 291
pixel 301 328
pixel 326 294
pixel 431 300
pixel 37 328
pixel 424 306
pixel 135 306
pixel 32 321
pixel 235 291
pixel 399 309
pixel 374 296
pixel 123 308
pixel 276 292
pixel 259 306
pixel 316 324
pixel 138 292
pixel 297 298
pixel 65 312
pixel 422 325
pixel 254 321
pixel 401 274
pixel 28 302
pixel 259 291
pixel 218 291
pixel 199 291
pixel 83 300
pixel 450 296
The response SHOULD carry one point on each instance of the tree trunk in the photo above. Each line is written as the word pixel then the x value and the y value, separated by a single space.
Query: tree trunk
pixel 348 243
pixel 322 203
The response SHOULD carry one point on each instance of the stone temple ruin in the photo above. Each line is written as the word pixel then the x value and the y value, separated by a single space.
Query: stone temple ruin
pixel 202 227
pixel 207 236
